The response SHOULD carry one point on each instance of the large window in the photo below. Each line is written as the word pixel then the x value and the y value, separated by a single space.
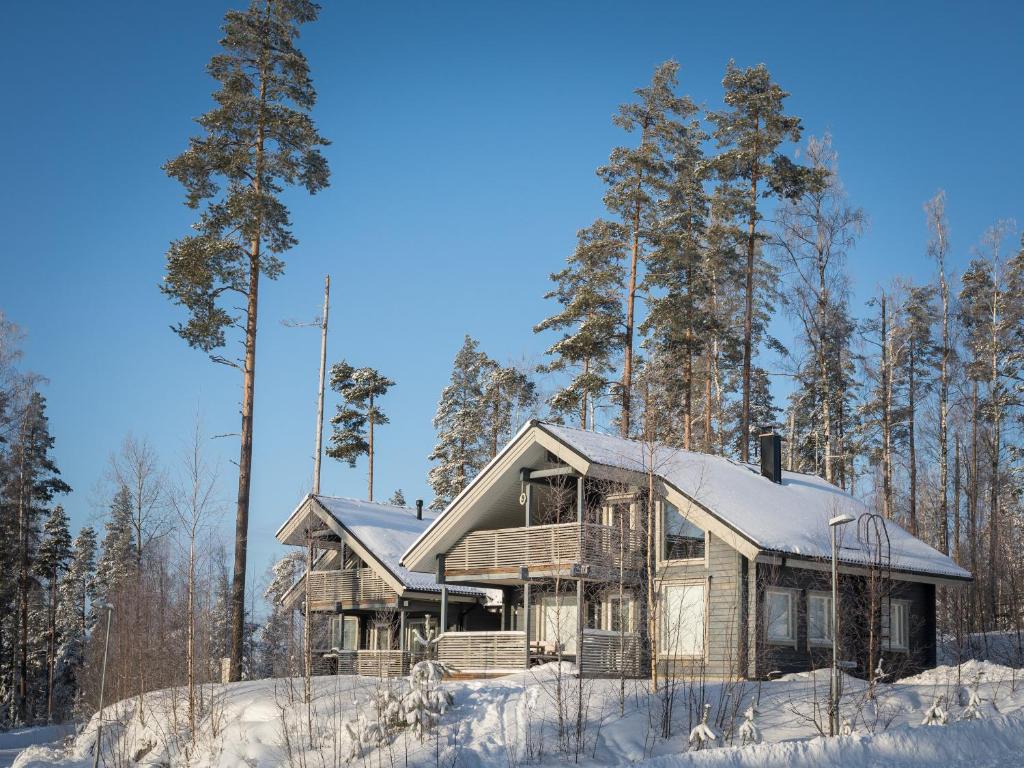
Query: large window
pixel 819 619
pixel 780 619
pixel 681 539
pixel 682 620
pixel 345 633
pixel 896 625
pixel 558 622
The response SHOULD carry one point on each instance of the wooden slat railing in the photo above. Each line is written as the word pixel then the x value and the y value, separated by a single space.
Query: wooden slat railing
pixel 477 652
pixel 510 548
pixel 610 654
pixel 367 663
pixel 348 587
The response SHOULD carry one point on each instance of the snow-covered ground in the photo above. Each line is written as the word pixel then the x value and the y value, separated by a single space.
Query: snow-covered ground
pixel 515 721
pixel 13 742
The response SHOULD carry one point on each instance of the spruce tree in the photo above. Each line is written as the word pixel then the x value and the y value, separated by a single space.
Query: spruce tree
pixel 460 422
pixel 397 498
pixel 589 291
pixel 750 132
pixel 52 558
pixel 358 415
pixel 508 393
pixel 32 482
pixel 256 140
pixel 636 177
pixel 117 550
pixel 73 622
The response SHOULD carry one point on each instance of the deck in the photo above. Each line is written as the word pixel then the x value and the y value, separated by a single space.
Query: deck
pixel 598 551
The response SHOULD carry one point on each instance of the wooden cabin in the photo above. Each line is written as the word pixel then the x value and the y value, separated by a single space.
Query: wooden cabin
pixel 370 613
pixel 580 530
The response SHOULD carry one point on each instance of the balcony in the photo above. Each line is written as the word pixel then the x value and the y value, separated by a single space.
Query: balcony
pixel 349 588
pixel 598 551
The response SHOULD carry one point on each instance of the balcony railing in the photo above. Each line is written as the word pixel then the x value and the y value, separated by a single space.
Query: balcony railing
pixel 546 546
pixel 482 652
pixel 367 663
pixel 349 588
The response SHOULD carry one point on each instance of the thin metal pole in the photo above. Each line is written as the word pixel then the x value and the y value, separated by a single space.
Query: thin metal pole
pixel 320 398
pixel 833 717
pixel 103 683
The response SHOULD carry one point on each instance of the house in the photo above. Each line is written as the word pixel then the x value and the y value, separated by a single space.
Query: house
pixel 366 609
pixel 727 572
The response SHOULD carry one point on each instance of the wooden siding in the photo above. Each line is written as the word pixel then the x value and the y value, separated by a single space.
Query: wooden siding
pixel 482 651
pixel 803 656
pixel 610 654
pixel 724 619
pixel 540 546
pixel 350 587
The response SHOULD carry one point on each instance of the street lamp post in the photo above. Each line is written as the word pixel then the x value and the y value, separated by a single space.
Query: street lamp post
pixel 833 689
pixel 103 683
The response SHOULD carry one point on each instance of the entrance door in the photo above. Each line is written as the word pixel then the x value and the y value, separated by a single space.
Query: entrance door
pixel 559 623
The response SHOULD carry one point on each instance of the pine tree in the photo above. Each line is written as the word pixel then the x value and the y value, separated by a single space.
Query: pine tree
pixel 257 139
pixel 460 422
pixel 358 414
pixel 51 559
pixel 589 291
pixel 637 177
pixel 750 131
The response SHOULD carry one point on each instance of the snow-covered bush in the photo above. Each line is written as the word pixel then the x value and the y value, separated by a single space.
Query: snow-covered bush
pixel 702 736
pixel 935 714
pixel 974 709
pixel 749 732
pixel 426 700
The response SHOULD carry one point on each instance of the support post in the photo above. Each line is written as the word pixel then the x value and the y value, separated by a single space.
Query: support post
pixel 444 594
pixel 526 623
pixel 580 623
pixel 401 630
pixel 523 572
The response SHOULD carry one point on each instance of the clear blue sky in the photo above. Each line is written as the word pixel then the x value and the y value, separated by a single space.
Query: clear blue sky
pixel 465 138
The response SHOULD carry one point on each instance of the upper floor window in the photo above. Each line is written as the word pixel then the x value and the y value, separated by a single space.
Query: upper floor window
pixel 681 538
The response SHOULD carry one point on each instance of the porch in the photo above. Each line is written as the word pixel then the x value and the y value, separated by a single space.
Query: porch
pixel 604 653
pixel 572 549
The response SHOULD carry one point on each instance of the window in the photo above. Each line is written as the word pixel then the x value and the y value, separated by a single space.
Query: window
pixel 682 620
pixel 895 625
pixel 681 539
pixel 779 620
pixel 819 619
pixel 345 632
pixel 618 614
pixel 558 617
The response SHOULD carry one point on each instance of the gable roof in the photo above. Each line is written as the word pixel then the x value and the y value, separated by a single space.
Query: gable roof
pixel 382 531
pixel 790 518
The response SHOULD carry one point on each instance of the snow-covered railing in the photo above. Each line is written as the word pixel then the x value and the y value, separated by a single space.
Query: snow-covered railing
pixel 482 652
pixel 351 586
pixel 552 545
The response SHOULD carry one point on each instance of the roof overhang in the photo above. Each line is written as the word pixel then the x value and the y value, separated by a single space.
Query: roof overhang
pixel 856 569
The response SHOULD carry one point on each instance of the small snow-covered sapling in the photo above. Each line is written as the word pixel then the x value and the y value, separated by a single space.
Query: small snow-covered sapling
pixel 749 732
pixel 702 736
pixel 935 714
pixel 846 729
pixel 974 710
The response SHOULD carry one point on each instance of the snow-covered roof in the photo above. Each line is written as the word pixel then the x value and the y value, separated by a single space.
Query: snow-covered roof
pixel 789 518
pixel 386 531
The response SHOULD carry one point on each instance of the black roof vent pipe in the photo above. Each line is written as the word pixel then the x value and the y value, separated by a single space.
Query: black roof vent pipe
pixel 419 509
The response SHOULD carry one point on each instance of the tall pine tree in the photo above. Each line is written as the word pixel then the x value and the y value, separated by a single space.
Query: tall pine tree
pixel 258 138
pixel 358 415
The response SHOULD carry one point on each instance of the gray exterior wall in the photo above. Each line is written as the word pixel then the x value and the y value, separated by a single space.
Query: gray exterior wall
pixel 802 656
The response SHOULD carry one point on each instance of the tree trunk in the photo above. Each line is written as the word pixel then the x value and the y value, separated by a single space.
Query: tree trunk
pixel 248 403
pixel 972 519
pixel 369 456
pixel 944 418
pixel 748 313
pixel 627 364
pixel 886 365
pixel 911 446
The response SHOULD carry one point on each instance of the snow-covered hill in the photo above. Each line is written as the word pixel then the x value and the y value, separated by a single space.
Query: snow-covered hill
pixel 535 718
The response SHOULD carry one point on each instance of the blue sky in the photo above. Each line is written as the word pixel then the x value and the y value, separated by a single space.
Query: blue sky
pixel 465 138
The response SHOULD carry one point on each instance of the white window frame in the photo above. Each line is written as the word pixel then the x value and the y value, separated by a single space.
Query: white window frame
pixel 607 612
pixel 663 651
pixel 826 597
pixel 338 630
pixel 663 505
pixel 790 596
pixel 901 643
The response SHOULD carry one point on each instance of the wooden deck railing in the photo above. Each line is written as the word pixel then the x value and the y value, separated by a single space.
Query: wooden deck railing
pixel 367 663
pixel 545 545
pixel 482 652
pixel 610 654
pixel 348 587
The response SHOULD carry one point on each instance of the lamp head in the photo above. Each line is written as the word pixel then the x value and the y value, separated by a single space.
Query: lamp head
pixel 841 520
